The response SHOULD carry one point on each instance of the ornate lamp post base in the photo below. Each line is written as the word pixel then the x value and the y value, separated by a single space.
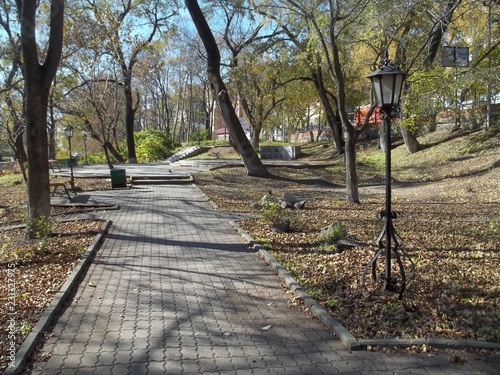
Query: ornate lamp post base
pixel 391 276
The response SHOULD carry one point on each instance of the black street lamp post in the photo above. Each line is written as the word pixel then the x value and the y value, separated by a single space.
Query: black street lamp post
pixel 85 147
pixel 68 131
pixel 387 85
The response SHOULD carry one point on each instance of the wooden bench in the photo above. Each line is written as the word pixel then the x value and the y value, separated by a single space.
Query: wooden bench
pixel 57 184
pixel 53 163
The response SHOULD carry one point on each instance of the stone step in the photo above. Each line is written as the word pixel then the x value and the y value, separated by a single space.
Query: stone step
pixel 161 180
pixel 187 153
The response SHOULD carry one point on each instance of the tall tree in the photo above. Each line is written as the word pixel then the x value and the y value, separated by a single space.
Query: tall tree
pixel 154 78
pixel 39 74
pixel 413 32
pixel 13 89
pixel 257 79
pixel 97 104
pixel 432 87
pixel 321 32
pixel 241 143
pixel 124 30
pixel 254 69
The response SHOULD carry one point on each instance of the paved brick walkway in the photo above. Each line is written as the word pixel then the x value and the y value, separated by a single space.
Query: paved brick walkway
pixel 174 290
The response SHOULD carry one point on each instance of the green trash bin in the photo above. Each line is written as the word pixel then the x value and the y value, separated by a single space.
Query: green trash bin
pixel 71 162
pixel 118 178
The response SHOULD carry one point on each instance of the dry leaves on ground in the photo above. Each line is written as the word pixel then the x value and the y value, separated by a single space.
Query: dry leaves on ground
pixel 454 246
pixel 33 271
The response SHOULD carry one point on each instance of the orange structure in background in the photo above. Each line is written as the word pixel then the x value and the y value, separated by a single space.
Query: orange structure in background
pixel 360 115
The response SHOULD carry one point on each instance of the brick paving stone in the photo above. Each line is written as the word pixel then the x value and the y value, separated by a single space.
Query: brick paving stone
pixel 156 355
pixel 190 366
pixel 121 369
pixel 177 291
pixel 174 367
pixel 84 371
pixel 72 360
pixel 106 359
pixel 156 367
pixel 89 359
pixel 53 366
pixel 172 354
pixel 68 371
pixel 37 371
pixel 122 357
pixel 139 355
pixel 207 365
pixel 77 347
pixel 103 370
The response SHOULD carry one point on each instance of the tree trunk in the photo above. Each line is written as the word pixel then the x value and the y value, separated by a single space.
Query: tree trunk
pixel 129 120
pixel 255 123
pixel 382 140
pixel 38 80
pixel 256 137
pixel 318 136
pixel 106 155
pixel 109 147
pixel 16 139
pixel 18 130
pixel 352 191
pixel 19 150
pixel 331 116
pixel 240 141
pixel 52 129
pixel 434 43
pixel 411 142
pixel 38 162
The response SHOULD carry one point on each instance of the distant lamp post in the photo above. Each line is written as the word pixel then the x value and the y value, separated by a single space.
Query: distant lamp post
pixel 68 131
pixel 387 84
pixel 85 147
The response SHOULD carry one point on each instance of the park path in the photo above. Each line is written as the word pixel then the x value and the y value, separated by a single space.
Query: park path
pixel 175 290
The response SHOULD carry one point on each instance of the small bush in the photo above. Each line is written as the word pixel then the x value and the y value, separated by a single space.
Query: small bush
pixel 25 327
pixel 43 226
pixel 332 234
pixel 495 226
pixel 152 145
pixel 199 136
pixel 272 212
pixel 268 200
pixel 334 303
pixel 15 182
pixel 97 158
pixel 10 179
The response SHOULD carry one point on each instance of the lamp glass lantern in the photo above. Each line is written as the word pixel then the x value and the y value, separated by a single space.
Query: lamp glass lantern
pixel 68 131
pixel 387 83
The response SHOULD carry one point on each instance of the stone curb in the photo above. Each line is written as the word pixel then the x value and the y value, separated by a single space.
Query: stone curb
pixel 349 341
pixel 33 339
